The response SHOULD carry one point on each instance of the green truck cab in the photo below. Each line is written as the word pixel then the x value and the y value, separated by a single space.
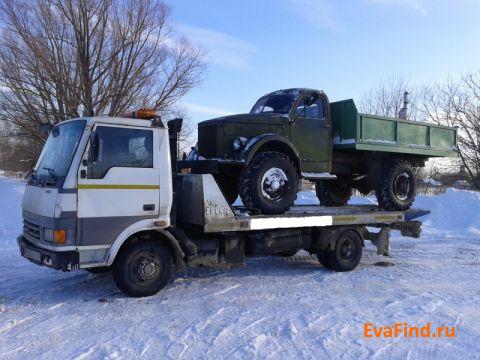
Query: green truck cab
pixel 297 133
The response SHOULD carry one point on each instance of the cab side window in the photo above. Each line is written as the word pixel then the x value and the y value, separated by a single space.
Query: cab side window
pixel 310 106
pixel 121 147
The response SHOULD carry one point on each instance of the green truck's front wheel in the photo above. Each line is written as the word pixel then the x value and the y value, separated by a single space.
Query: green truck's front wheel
pixel 269 184
pixel 397 186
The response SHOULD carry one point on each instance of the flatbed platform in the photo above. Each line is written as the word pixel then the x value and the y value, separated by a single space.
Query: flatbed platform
pixel 203 204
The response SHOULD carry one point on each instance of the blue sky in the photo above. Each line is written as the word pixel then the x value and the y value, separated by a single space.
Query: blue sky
pixel 343 47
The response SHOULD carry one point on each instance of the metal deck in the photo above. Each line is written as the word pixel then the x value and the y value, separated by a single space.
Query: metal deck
pixel 313 216
pixel 203 204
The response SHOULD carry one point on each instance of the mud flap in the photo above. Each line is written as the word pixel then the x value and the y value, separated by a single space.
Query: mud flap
pixel 381 240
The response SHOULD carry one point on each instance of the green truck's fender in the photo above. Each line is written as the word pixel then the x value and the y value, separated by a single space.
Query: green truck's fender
pixel 270 142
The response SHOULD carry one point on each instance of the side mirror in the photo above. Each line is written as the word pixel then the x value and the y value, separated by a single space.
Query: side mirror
pixel 94 147
pixel 45 129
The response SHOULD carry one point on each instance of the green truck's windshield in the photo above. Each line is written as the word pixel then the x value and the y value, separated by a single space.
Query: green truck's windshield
pixel 278 102
pixel 57 154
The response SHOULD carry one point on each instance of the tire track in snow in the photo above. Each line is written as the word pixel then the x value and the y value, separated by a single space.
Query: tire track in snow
pixel 226 290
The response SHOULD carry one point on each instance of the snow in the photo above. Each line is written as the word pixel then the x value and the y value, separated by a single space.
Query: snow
pixel 431 181
pixel 274 307
pixel 337 140
pixel 380 141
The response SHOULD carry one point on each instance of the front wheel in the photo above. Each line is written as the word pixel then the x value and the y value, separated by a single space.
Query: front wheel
pixel 143 268
pixel 269 184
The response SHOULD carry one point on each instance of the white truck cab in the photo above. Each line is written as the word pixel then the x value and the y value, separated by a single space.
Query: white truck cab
pixel 105 195
pixel 97 181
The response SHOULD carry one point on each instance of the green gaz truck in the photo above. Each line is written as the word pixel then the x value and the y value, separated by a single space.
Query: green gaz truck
pixel 297 133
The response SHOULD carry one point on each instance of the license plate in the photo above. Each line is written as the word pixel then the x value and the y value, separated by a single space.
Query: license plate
pixel 32 254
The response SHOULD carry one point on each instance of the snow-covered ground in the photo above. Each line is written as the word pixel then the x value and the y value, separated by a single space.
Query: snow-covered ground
pixel 276 308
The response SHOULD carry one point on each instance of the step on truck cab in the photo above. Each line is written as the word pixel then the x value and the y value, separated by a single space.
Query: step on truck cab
pixel 105 195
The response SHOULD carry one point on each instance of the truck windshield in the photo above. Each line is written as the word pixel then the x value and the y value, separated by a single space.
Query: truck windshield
pixel 279 103
pixel 57 154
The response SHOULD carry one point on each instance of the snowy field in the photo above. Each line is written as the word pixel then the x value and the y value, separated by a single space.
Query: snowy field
pixel 273 308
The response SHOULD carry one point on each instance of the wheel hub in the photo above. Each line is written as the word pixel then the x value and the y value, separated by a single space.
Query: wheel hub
pixel 274 183
pixel 147 269
pixel 347 249
pixel 401 186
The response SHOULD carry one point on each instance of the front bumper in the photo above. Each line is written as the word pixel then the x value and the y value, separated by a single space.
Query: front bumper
pixel 58 260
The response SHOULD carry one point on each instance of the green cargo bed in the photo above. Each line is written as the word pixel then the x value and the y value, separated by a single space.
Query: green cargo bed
pixel 353 130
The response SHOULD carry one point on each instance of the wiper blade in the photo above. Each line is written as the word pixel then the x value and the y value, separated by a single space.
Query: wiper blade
pixel 53 178
pixel 51 172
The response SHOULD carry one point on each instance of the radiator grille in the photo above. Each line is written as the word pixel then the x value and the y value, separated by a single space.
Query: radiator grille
pixel 31 230
pixel 207 141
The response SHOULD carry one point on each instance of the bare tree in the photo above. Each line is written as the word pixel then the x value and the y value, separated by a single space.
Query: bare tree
pixel 387 99
pixel 68 58
pixel 457 103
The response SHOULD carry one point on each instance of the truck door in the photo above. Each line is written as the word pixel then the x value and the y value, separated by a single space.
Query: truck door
pixel 310 132
pixel 118 184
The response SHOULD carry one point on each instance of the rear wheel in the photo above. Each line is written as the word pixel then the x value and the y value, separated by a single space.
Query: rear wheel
pixel 269 184
pixel 143 268
pixel 333 192
pixel 346 254
pixel 397 187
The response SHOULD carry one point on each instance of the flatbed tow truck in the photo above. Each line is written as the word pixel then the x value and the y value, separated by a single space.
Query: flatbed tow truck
pixel 105 195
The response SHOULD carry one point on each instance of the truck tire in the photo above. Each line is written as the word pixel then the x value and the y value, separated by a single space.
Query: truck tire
pixel 269 184
pixel 346 254
pixel 397 187
pixel 229 187
pixel 333 192
pixel 143 268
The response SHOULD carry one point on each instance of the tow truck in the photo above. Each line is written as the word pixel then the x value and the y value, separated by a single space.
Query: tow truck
pixel 106 195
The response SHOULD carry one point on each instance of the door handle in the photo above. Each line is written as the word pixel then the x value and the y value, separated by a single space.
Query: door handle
pixel 148 207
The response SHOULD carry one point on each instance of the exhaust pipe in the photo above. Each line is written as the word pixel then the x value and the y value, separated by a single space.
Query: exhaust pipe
pixel 174 127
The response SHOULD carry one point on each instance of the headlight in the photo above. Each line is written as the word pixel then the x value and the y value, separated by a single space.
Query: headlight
pixel 48 235
pixel 56 236
pixel 238 143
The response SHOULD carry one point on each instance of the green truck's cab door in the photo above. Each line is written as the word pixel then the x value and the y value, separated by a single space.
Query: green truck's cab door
pixel 310 132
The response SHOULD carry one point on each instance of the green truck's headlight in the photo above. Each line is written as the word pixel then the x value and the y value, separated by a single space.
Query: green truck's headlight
pixel 238 143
